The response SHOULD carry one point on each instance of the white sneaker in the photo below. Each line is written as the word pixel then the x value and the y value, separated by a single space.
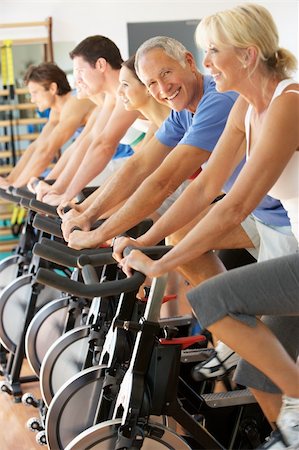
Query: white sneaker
pixel 220 363
pixel 288 421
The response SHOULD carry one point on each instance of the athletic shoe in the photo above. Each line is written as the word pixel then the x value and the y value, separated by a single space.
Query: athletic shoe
pixel 220 363
pixel 288 421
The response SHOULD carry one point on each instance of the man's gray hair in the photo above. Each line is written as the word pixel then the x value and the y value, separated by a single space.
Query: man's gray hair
pixel 171 46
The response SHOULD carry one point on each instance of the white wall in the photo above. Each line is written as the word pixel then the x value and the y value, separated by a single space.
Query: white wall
pixel 73 20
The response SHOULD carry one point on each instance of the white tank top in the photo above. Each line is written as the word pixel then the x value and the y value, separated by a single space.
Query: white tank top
pixel 286 188
pixel 136 131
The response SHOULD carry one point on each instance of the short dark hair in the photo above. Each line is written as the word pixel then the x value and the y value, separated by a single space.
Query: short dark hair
pixel 95 47
pixel 47 73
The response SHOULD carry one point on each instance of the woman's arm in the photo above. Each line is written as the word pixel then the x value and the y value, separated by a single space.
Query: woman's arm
pixel 269 155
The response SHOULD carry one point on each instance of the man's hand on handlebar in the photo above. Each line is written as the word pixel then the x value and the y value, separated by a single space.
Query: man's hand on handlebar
pixel 120 243
pixel 65 209
pixel 73 219
pixel 53 197
pixel 137 260
pixel 83 239
pixel 32 185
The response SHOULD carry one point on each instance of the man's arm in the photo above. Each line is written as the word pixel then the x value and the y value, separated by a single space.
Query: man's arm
pixel 95 125
pixel 102 149
pixel 58 173
pixel 67 164
pixel 117 188
pixel 67 154
pixel 194 142
pixel 55 133
pixel 177 167
pixel 41 188
pixel 24 161
pixel 111 192
pixel 192 150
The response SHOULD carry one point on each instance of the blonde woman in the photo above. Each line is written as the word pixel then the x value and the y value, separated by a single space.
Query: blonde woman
pixel 243 54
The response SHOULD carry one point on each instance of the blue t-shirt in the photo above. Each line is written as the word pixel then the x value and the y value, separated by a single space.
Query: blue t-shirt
pixel 203 130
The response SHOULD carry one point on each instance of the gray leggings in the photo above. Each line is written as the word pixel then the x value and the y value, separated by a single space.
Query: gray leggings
pixel 269 289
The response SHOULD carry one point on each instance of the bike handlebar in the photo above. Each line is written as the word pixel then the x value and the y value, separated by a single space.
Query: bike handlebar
pixel 63 255
pixel 41 207
pixel 10 197
pixel 155 252
pixel 79 289
pixel 24 193
pixel 48 225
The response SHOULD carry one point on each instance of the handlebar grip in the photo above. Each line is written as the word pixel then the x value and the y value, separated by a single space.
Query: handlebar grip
pixel 94 226
pixel 25 202
pixel 21 192
pixel 65 256
pixel 72 251
pixel 42 207
pixel 10 197
pixel 48 225
pixel 139 229
pixel 99 259
pixel 54 255
pixel 107 288
pixel 155 252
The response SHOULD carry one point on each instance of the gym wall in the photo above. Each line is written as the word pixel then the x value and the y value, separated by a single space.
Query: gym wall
pixel 73 20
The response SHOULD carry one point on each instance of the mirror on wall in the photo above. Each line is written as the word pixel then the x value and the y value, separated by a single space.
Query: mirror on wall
pixel 26 55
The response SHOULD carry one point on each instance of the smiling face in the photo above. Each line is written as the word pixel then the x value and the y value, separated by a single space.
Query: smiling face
pixel 43 98
pixel 132 92
pixel 227 66
pixel 168 81
pixel 87 78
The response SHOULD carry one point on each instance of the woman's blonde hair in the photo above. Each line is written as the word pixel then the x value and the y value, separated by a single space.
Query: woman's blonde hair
pixel 248 25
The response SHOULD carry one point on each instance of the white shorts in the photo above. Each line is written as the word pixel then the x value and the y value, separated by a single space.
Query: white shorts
pixel 110 169
pixel 269 241
pixel 172 198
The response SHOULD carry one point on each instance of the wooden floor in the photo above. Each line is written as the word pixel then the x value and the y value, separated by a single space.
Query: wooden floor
pixel 14 435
